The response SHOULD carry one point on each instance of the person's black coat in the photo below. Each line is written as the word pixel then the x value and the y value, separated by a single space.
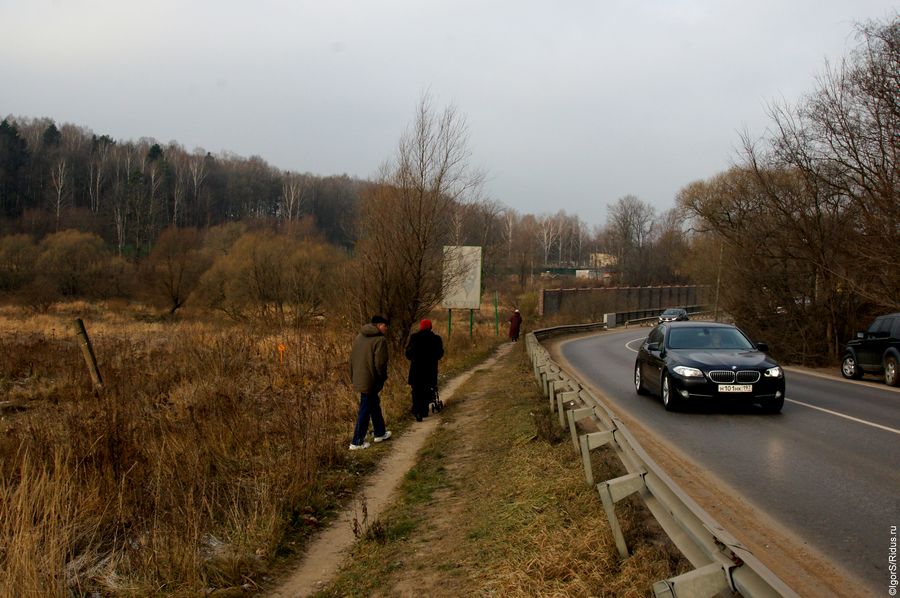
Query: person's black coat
pixel 423 350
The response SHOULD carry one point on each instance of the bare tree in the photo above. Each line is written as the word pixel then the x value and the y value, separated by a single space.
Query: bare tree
pixel 97 170
pixel 175 265
pixel 843 141
pixel 629 232
pixel 59 180
pixel 178 162
pixel 293 188
pixel 549 230
pixel 406 217
pixel 197 171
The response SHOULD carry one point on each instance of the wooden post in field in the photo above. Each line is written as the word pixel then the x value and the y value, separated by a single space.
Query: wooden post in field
pixel 88 351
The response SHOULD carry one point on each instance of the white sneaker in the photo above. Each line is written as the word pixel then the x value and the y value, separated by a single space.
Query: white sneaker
pixel 387 434
pixel 359 447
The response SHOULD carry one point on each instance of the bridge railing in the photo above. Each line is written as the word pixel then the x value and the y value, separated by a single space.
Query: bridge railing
pixel 721 563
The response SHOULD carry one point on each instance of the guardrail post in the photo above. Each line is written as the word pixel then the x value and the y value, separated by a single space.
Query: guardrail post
pixel 705 581
pixel 588 443
pixel 545 372
pixel 576 415
pixel 561 400
pixel 612 492
pixel 548 377
pixel 542 372
pixel 555 387
pixel 539 362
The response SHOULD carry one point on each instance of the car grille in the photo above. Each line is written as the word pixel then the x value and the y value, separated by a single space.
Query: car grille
pixel 729 377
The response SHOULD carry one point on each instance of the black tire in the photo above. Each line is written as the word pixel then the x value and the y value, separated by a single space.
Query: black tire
pixel 773 406
pixel 670 400
pixel 891 373
pixel 850 369
pixel 639 381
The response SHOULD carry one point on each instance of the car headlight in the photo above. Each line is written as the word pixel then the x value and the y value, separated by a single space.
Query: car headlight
pixel 687 372
pixel 773 372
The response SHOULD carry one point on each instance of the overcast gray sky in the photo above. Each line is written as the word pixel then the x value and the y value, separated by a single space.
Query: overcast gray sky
pixel 570 104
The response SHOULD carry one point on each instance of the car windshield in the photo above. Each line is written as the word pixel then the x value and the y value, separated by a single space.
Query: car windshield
pixel 702 337
pixel 671 312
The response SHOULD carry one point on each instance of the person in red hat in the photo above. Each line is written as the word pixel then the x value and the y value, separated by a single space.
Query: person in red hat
pixel 424 350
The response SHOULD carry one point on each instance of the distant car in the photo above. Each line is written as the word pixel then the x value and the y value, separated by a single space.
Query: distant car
pixel 673 314
pixel 691 361
pixel 876 351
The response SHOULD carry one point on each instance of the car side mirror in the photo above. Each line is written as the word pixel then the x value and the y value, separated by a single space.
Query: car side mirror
pixel 653 346
pixel 860 335
pixel 764 347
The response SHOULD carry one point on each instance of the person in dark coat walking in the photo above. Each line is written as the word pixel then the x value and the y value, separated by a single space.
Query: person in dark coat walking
pixel 424 350
pixel 368 373
pixel 515 323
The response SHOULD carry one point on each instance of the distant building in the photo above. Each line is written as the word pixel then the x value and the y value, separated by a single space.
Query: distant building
pixel 602 261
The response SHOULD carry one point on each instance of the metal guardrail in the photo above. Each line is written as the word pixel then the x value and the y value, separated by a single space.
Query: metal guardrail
pixel 721 562
pixel 644 317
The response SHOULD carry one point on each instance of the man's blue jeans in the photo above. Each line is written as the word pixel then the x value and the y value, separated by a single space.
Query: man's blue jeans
pixel 369 407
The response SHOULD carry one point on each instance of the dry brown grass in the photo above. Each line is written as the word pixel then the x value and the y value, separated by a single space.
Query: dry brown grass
pixel 204 453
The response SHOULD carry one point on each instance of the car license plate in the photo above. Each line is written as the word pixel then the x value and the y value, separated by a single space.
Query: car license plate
pixel 735 388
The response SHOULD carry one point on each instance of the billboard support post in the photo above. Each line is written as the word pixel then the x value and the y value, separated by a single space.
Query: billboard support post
pixel 496 314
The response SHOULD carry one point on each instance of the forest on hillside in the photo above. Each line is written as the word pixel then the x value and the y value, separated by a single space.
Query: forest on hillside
pixel 84 215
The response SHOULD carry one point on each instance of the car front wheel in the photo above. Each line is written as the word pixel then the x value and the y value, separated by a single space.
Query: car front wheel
pixel 638 381
pixel 669 398
pixel 850 369
pixel 773 405
pixel 891 375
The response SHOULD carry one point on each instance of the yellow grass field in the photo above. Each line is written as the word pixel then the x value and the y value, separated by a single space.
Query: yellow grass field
pixel 211 448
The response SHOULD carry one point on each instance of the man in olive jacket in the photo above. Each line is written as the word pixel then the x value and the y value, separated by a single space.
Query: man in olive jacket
pixel 368 373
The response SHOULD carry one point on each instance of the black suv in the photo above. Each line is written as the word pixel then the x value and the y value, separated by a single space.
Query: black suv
pixel 875 351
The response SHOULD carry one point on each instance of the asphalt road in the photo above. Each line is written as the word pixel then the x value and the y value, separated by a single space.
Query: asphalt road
pixel 827 467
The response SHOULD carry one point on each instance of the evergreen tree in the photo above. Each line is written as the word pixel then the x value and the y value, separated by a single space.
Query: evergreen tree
pixel 13 158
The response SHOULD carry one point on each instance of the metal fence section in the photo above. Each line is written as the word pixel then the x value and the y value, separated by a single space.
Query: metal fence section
pixel 721 563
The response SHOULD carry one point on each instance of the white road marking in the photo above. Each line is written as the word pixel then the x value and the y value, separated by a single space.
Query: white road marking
pixel 855 419
pixel 637 340
pixel 837 378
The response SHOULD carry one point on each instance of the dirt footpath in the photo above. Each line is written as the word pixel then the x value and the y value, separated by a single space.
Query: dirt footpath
pixel 329 548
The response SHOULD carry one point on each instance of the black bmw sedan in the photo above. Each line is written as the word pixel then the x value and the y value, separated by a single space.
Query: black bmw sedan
pixel 684 361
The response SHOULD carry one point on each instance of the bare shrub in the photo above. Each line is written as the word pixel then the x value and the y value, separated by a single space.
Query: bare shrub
pixel 17 256
pixel 175 265
pixel 272 278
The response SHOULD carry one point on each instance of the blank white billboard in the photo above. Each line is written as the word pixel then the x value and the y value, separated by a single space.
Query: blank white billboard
pixel 462 277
